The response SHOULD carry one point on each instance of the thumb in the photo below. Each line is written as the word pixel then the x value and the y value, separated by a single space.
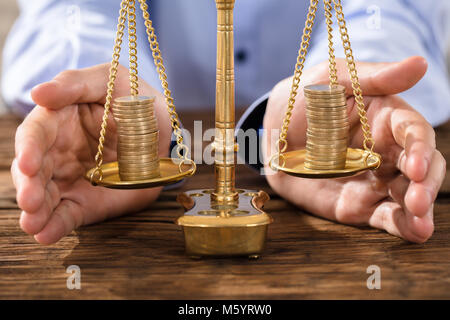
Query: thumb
pixel 383 78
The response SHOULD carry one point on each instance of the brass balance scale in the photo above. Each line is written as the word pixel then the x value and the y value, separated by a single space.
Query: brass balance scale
pixel 226 221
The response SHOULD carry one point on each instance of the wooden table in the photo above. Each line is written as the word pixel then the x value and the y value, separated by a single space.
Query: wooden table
pixel 141 256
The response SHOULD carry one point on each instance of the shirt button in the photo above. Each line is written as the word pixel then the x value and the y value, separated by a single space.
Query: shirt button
pixel 241 55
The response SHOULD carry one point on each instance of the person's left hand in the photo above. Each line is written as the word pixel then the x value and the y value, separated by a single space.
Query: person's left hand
pixel 399 196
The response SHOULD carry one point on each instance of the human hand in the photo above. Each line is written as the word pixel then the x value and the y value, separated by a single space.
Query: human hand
pixel 399 196
pixel 56 144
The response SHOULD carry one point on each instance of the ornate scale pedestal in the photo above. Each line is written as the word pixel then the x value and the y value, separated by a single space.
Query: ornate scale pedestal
pixel 225 221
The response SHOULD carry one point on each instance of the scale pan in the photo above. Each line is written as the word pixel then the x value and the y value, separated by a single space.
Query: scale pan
pixel 358 160
pixel 169 173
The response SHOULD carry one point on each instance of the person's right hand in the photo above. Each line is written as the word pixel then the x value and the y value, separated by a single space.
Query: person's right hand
pixel 55 146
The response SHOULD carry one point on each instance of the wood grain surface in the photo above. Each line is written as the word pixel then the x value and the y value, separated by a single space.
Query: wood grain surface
pixel 141 256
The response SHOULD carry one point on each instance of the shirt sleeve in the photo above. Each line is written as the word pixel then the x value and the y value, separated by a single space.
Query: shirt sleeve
pixel 386 30
pixel 52 35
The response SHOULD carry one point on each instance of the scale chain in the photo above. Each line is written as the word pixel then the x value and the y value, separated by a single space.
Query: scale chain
pixel 331 58
pixel 157 58
pixel 132 48
pixel 128 10
pixel 357 92
pixel 368 142
pixel 110 89
pixel 306 36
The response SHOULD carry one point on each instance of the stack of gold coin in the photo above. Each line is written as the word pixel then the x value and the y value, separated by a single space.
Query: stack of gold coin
pixel 137 130
pixel 328 127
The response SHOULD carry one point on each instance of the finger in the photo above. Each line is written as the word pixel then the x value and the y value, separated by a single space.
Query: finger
pixel 31 190
pixel 83 86
pixel 66 217
pixel 390 216
pixel 33 223
pixel 398 188
pixel 416 136
pixel 421 195
pixel 34 137
pixel 383 78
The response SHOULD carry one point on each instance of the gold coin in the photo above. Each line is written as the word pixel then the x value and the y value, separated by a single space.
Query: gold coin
pixel 324 140
pixel 324 168
pixel 310 163
pixel 335 147
pixel 330 122
pixel 138 157
pixel 140 105
pixel 331 151
pixel 136 112
pixel 129 166
pixel 324 89
pixel 330 142
pixel 137 173
pixel 119 117
pixel 147 136
pixel 133 167
pixel 326 155
pixel 134 143
pixel 323 93
pixel 125 147
pixel 321 107
pixel 314 120
pixel 315 127
pixel 140 172
pixel 133 100
pixel 329 130
pixel 136 126
pixel 332 146
pixel 144 138
pixel 132 111
pixel 328 163
pixel 137 119
pixel 130 148
pixel 139 178
pixel 135 131
pixel 151 124
pixel 144 157
pixel 333 154
pixel 134 118
pixel 309 97
pixel 327 113
pixel 327 109
pixel 324 161
pixel 326 134
pixel 325 102
pixel 328 148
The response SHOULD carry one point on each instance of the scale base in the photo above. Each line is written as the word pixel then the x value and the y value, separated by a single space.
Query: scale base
pixel 212 229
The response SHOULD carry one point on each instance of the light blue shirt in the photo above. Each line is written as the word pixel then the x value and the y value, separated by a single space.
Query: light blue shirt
pixel 53 35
